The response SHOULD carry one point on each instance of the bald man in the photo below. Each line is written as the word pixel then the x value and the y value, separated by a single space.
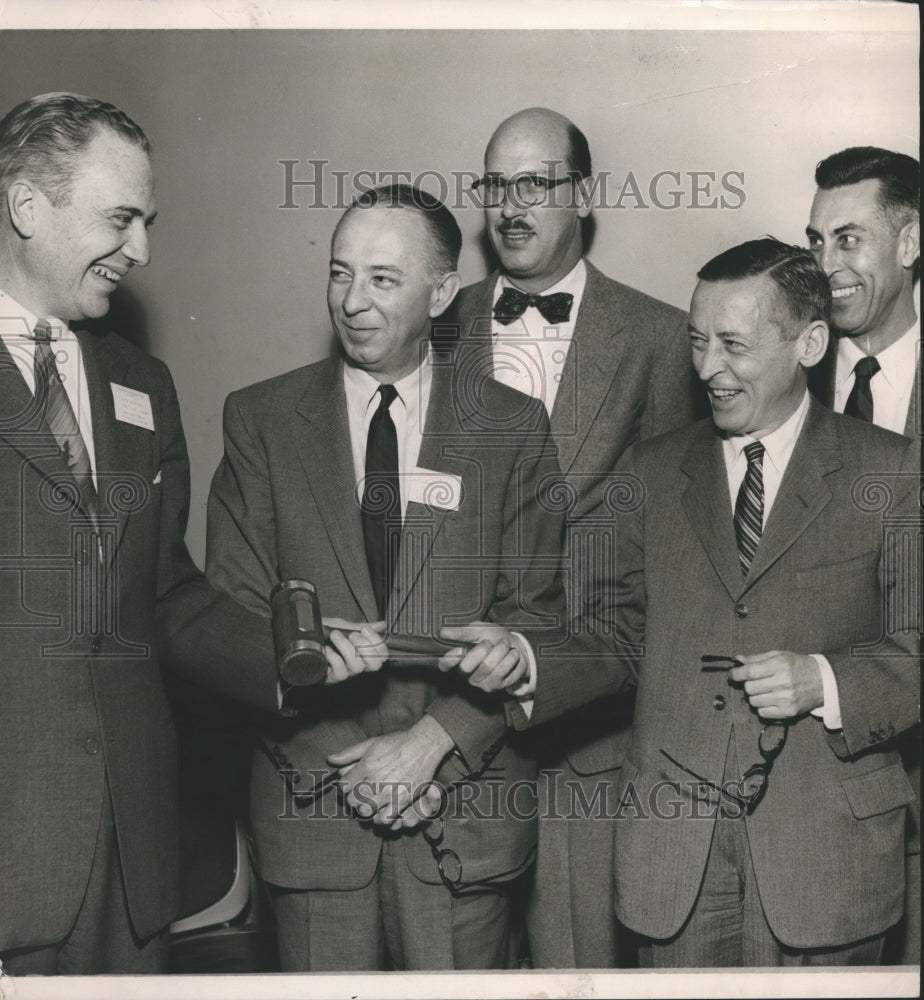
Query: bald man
pixel 612 367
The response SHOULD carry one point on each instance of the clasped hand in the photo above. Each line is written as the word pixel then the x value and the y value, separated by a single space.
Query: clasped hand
pixel 353 648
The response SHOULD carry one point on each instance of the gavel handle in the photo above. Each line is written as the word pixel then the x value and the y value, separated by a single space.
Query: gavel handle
pixel 415 650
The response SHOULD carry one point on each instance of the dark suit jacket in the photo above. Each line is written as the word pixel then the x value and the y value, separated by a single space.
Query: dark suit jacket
pixel 627 377
pixel 83 702
pixel 831 576
pixel 283 505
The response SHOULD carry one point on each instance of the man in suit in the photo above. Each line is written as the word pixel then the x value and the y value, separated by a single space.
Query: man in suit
pixel 406 490
pixel 611 365
pixel 865 233
pixel 767 601
pixel 95 492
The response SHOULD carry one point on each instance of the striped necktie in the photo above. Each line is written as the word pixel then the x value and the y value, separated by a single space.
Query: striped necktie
pixel 749 507
pixel 59 415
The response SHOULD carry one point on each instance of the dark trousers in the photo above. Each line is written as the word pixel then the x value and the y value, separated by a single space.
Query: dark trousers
pixel 102 940
pixel 396 921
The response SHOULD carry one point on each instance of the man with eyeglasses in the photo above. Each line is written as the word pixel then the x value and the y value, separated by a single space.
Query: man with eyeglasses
pixel 611 366
pixel 768 601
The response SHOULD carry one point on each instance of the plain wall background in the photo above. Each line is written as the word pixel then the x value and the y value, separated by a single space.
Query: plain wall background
pixel 236 289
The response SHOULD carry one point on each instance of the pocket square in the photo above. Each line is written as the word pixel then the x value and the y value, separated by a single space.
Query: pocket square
pixel 156 479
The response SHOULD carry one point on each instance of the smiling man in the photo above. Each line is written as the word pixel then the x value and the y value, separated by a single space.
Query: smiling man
pixel 865 233
pixel 611 365
pixel 767 599
pixel 94 482
pixel 373 475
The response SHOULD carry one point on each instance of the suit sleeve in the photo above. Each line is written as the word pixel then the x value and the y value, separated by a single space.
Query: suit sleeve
pixel 879 692
pixel 604 644
pixel 203 634
pixel 529 595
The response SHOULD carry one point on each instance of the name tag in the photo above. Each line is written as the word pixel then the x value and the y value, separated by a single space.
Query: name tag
pixel 442 490
pixel 132 406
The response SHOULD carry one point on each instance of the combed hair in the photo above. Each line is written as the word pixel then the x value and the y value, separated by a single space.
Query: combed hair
pixel 41 137
pixel 899 179
pixel 445 235
pixel 803 286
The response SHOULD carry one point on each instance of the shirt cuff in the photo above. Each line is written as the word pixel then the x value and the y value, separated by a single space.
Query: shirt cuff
pixel 830 711
pixel 524 691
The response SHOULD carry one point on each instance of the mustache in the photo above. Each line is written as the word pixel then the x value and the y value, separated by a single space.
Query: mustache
pixel 514 225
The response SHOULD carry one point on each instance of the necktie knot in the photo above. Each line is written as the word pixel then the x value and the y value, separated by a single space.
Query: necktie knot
pixel 388 394
pixel 866 368
pixel 42 331
pixel 754 453
pixel 555 308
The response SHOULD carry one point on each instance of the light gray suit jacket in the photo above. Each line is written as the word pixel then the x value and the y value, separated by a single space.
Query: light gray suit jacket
pixel 627 377
pixel 283 505
pixel 835 573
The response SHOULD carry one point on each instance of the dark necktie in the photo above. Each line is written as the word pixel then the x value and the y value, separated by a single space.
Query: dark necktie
pixel 749 507
pixel 860 401
pixel 381 505
pixel 513 303
pixel 59 415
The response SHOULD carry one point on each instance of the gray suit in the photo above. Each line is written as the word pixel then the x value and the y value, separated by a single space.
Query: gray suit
pixel 627 377
pixel 829 577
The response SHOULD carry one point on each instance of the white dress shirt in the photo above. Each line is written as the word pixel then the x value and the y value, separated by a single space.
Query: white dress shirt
pixel 891 387
pixel 408 413
pixel 16 326
pixel 530 353
pixel 778 449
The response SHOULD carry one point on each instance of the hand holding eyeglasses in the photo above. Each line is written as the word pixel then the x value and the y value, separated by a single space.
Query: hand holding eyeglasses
pixel 779 684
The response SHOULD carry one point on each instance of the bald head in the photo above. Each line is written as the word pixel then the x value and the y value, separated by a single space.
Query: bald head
pixel 565 142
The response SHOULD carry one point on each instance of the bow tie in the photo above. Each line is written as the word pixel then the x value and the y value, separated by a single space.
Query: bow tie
pixel 513 303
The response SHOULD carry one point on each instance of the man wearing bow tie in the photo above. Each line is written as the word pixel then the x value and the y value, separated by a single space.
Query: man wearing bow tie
pixel 612 367
pixel 94 488
pixel 864 231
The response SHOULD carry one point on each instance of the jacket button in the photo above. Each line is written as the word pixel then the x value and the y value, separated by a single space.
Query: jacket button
pixel 91 746
pixel 742 611
pixel 718 702
pixel 96 645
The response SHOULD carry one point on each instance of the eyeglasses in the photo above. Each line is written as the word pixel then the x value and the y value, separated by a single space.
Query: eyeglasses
pixel 528 189
pixel 749 789
pixel 449 865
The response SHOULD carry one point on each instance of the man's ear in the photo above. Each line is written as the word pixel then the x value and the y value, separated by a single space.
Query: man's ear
pixel 22 208
pixel 909 243
pixel 814 341
pixel 582 197
pixel 444 291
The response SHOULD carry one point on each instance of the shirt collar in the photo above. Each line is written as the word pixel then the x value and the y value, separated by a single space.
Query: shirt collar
pixel 17 322
pixel 897 363
pixel 573 282
pixel 362 388
pixel 778 444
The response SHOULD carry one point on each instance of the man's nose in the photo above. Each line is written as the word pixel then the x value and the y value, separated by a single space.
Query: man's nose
pixel 356 299
pixel 137 247
pixel 711 360
pixel 512 206
pixel 828 256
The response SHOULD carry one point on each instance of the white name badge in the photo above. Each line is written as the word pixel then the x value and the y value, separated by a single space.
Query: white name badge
pixel 132 406
pixel 435 489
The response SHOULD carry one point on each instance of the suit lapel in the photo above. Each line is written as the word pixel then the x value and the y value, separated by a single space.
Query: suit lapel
pixel 708 507
pixel 589 369
pixel 804 493
pixel 322 441
pixel 115 452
